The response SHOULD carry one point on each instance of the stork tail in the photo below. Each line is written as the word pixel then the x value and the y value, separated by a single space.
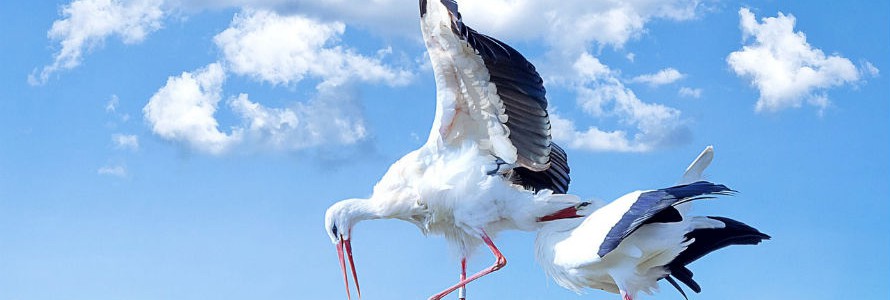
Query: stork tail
pixel 707 240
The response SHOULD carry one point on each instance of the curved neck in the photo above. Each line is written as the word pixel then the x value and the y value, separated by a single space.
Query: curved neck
pixel 362 209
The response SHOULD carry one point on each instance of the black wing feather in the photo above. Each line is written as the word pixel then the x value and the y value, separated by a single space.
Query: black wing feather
pixel 541 163
pixel 556 178
pixel 707 240
pixel 520 88
pixel 676 286
pixel 649 204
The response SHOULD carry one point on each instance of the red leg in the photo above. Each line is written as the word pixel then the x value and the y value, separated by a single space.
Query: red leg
pixel 499 263
pixel 462 292
pixel 626 296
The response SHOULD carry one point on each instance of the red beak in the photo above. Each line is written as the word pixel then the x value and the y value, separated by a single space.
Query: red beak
pixel 344 243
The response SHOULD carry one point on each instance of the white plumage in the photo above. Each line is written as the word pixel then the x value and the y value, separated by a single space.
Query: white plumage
pixel 626 246
pixel 488 164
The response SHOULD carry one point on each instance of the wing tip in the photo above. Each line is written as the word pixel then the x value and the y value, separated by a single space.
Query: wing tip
pixel 697 167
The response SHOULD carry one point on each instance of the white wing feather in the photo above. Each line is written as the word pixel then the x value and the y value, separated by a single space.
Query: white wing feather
pixel 697 167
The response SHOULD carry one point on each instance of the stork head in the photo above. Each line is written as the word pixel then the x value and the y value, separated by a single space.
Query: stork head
pixel 338 221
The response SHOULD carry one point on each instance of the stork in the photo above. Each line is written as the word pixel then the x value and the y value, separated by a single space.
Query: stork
pixel 629 244
pixel 488 164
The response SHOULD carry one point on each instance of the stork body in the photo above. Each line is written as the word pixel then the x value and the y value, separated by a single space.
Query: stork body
pixel 452 193
pixel 488 164
pixel 626 246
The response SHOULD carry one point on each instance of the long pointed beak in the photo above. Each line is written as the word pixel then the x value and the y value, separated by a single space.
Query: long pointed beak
pixel 344 244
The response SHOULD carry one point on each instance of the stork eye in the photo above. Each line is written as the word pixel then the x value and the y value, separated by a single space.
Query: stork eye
pixel 334 229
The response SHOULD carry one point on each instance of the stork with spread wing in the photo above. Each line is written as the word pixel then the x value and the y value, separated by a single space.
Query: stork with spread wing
pixel 489 163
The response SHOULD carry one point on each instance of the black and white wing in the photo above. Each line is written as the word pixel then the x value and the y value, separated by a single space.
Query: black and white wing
pixel 487 92
pixel 657 206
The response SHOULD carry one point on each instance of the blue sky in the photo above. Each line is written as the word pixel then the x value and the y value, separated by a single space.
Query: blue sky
pixel 187 149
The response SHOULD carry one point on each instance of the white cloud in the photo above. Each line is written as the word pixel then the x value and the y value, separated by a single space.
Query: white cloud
pixel 111 106
pixel 589 68
pixel 125 141
pixel 665 76
pixel 333 118
pixel 116 170
pixel 605 22
pixel 387 17
pixel 870 69
pixel 280 50
pixel 690 92
pixel 602 95
pixel 592 139
pixel 87 23
pixel 285 49
pixel 267 43
pixel 571 25
pixel 786 69
pixel 630 56
pixel 183 110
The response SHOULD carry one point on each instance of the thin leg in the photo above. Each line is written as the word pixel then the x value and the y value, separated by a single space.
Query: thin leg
pixel 462 292
pixel 500 262
pixel 626 296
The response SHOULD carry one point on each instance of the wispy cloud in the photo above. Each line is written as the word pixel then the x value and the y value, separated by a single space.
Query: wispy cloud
pixel 86 24
pixel 111 106
pixel 689 92
pixel 665 76
pixel 869 69
pixel 125 141
pixel 332 118
pixel 113 170
pixel 602 95
pixel 786 69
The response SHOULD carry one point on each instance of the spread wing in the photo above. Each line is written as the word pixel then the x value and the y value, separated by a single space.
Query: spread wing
pixel 487 92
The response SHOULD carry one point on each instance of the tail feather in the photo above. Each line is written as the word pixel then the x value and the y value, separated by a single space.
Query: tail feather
pixel 676 286
pixel 707 240
pixel 684 275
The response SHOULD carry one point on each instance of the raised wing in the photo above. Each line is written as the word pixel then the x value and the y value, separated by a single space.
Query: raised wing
pixel 697 167
pixel 487 91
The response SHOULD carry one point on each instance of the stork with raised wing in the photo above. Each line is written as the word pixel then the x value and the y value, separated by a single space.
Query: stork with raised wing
pixel 626 246
pixel 488 164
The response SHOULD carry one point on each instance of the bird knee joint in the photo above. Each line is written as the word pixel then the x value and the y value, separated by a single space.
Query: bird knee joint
pixel 500 263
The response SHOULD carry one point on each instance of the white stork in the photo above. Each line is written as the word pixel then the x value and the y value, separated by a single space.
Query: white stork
pixel 489 163
pixel 628 245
